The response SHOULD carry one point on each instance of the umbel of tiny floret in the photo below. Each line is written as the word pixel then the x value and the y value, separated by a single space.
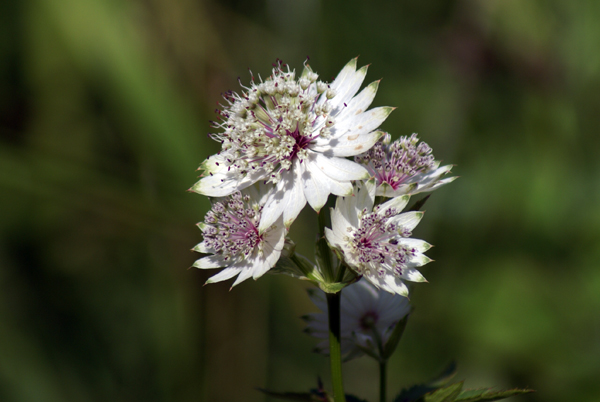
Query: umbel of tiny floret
pixel 293 132
pixel 368 318
pixel 375 241
pixel 231 236
pixel 406 166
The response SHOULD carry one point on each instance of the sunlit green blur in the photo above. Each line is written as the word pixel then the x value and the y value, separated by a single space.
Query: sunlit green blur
pixel 104 114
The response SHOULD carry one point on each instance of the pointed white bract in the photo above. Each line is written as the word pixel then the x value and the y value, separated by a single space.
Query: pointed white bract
pixel 231 236
pixel 403 167
pixel 375 242
pixel 295 133
pixel 368 316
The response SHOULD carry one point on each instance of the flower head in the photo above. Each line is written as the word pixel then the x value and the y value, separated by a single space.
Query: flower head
pixel 231 235
pixel 375 242
pixel 406 166
pixel 368 318
pixel 294 132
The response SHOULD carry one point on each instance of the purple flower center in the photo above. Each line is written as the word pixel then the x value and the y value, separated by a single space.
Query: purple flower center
pixel 302 142
pixel 376 242
pixel 237 234
pixel 396 163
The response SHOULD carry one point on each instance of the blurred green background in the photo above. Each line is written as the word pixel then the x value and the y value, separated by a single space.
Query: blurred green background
pixel 104 110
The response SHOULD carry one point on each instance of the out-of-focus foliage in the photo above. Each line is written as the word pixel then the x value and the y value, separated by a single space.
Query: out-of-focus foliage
pixel 104 110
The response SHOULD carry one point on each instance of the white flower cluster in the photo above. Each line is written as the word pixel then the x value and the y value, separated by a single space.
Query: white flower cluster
pixel 285 142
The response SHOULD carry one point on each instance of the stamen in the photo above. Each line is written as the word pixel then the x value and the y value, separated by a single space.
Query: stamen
pixel 272 123
pixel 235 234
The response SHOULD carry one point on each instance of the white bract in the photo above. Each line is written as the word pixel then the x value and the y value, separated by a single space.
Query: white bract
pixel 368 318
pixel 403 167
pixel 231 236
pixel 375 242
pixel 294 133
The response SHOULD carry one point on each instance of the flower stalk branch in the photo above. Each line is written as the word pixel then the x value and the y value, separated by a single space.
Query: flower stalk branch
pixel 335 353
pixel 382 381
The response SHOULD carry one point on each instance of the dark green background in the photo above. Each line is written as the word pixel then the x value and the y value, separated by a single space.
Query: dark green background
pixel 104 110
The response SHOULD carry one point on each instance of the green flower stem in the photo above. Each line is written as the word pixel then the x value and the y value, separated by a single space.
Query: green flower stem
pixel 335 354
pixel 382 381
pixel 382 365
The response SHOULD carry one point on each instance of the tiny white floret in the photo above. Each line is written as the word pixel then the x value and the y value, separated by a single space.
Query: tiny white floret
pixel 232 238
pixel 293 132
pixel 375 241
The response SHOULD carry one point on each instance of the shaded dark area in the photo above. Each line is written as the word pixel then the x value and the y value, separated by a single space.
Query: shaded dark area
pixel 104 114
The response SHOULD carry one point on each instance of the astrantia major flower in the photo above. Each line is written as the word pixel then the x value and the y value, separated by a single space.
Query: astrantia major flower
pixel 294 132
pixel 231 236
pixel 368 318
pixel 375 242
pixel 406 166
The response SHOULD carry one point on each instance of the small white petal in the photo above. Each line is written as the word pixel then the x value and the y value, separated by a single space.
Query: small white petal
pixel 429 187
pixel 332 237
pixel 202 248
pixel 348 89
pixel 338 168
pixel 336 187
pixel 347 207
pixel 260 268
pixel 225 274
pixel 340 188
pixel 272 209
pixel 259 191
pixel 212 261
pixel 397 203
pixel 361 102
pixel 398 287
pixel 418 261
pixel 315 184
pixel 362 123
pixel 296 200
pixel 365 197
pixel 339 223
pixel 413 275
pixel 408 220
pixel 221 185
pixel 419 245
pixel 349 144
pixel 246 273
pixel 286 199
pixel 345 75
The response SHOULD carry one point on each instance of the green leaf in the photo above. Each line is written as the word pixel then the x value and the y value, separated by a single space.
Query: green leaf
pixel 445 394
pixel 416 392
pixel 392 343
pixel 445 376
pixel 487 394
pixel 286 266
pixel 297 266
pixel 307 267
